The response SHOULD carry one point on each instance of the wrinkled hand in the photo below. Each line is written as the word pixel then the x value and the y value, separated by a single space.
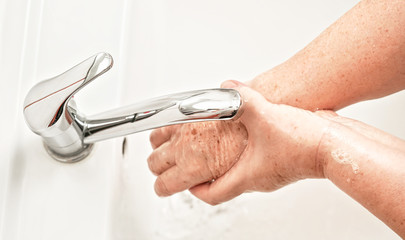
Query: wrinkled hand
pixel 188 154
pixel 268 147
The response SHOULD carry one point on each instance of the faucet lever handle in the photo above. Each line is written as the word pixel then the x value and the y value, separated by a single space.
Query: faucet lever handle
pixel 46 103
pixel 48 108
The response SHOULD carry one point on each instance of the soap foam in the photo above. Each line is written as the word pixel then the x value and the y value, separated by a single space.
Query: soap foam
pixel 344 158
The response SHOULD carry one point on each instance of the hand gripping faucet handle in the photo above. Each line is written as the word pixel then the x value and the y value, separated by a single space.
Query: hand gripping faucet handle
pixel 50 111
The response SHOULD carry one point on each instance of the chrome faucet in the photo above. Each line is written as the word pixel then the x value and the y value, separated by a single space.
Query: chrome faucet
pixel 68 135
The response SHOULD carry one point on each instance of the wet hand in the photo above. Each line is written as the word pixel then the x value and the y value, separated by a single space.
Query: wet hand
pixel 268 147
pixel 189 154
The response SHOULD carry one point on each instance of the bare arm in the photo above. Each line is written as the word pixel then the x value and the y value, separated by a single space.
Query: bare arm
pixel 359 57
pixel 369 165
pixel 366 163
pixel 286 144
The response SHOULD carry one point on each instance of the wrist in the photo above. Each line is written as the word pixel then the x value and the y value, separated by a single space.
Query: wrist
pixel 319 148
pixel 307 153
pixel 321 152
pixel 326 147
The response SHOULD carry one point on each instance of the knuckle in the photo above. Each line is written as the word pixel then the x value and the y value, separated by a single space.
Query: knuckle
pixel 161 188
pixel 164 130
pixel 153 137
pixel 151 164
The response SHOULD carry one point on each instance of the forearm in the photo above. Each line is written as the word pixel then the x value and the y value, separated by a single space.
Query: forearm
pixel 359 57
pixel 368 165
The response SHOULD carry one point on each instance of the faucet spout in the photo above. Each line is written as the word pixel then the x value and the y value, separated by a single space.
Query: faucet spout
pixel 68 136
pixel 193 106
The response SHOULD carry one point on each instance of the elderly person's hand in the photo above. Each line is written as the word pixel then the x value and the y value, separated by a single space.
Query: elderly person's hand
pixel 268 147
pixel 188 154
pixel 273 145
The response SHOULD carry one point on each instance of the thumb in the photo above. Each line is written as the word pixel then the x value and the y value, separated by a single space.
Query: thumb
pixel 254 105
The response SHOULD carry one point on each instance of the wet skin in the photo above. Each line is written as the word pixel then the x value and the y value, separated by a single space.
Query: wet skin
pixel 361 56
pixel 272 145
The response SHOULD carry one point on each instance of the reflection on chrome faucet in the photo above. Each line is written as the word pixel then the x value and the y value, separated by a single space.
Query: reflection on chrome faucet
pixel 68 135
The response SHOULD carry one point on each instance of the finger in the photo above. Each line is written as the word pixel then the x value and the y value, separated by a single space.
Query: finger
pixel 230 185
pixel 160 136
pixel 176 180
pixel 255 107
pixel 331 115
pixel 161 159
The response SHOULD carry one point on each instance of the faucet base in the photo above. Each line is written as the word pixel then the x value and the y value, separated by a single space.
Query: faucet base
pixel 71 158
